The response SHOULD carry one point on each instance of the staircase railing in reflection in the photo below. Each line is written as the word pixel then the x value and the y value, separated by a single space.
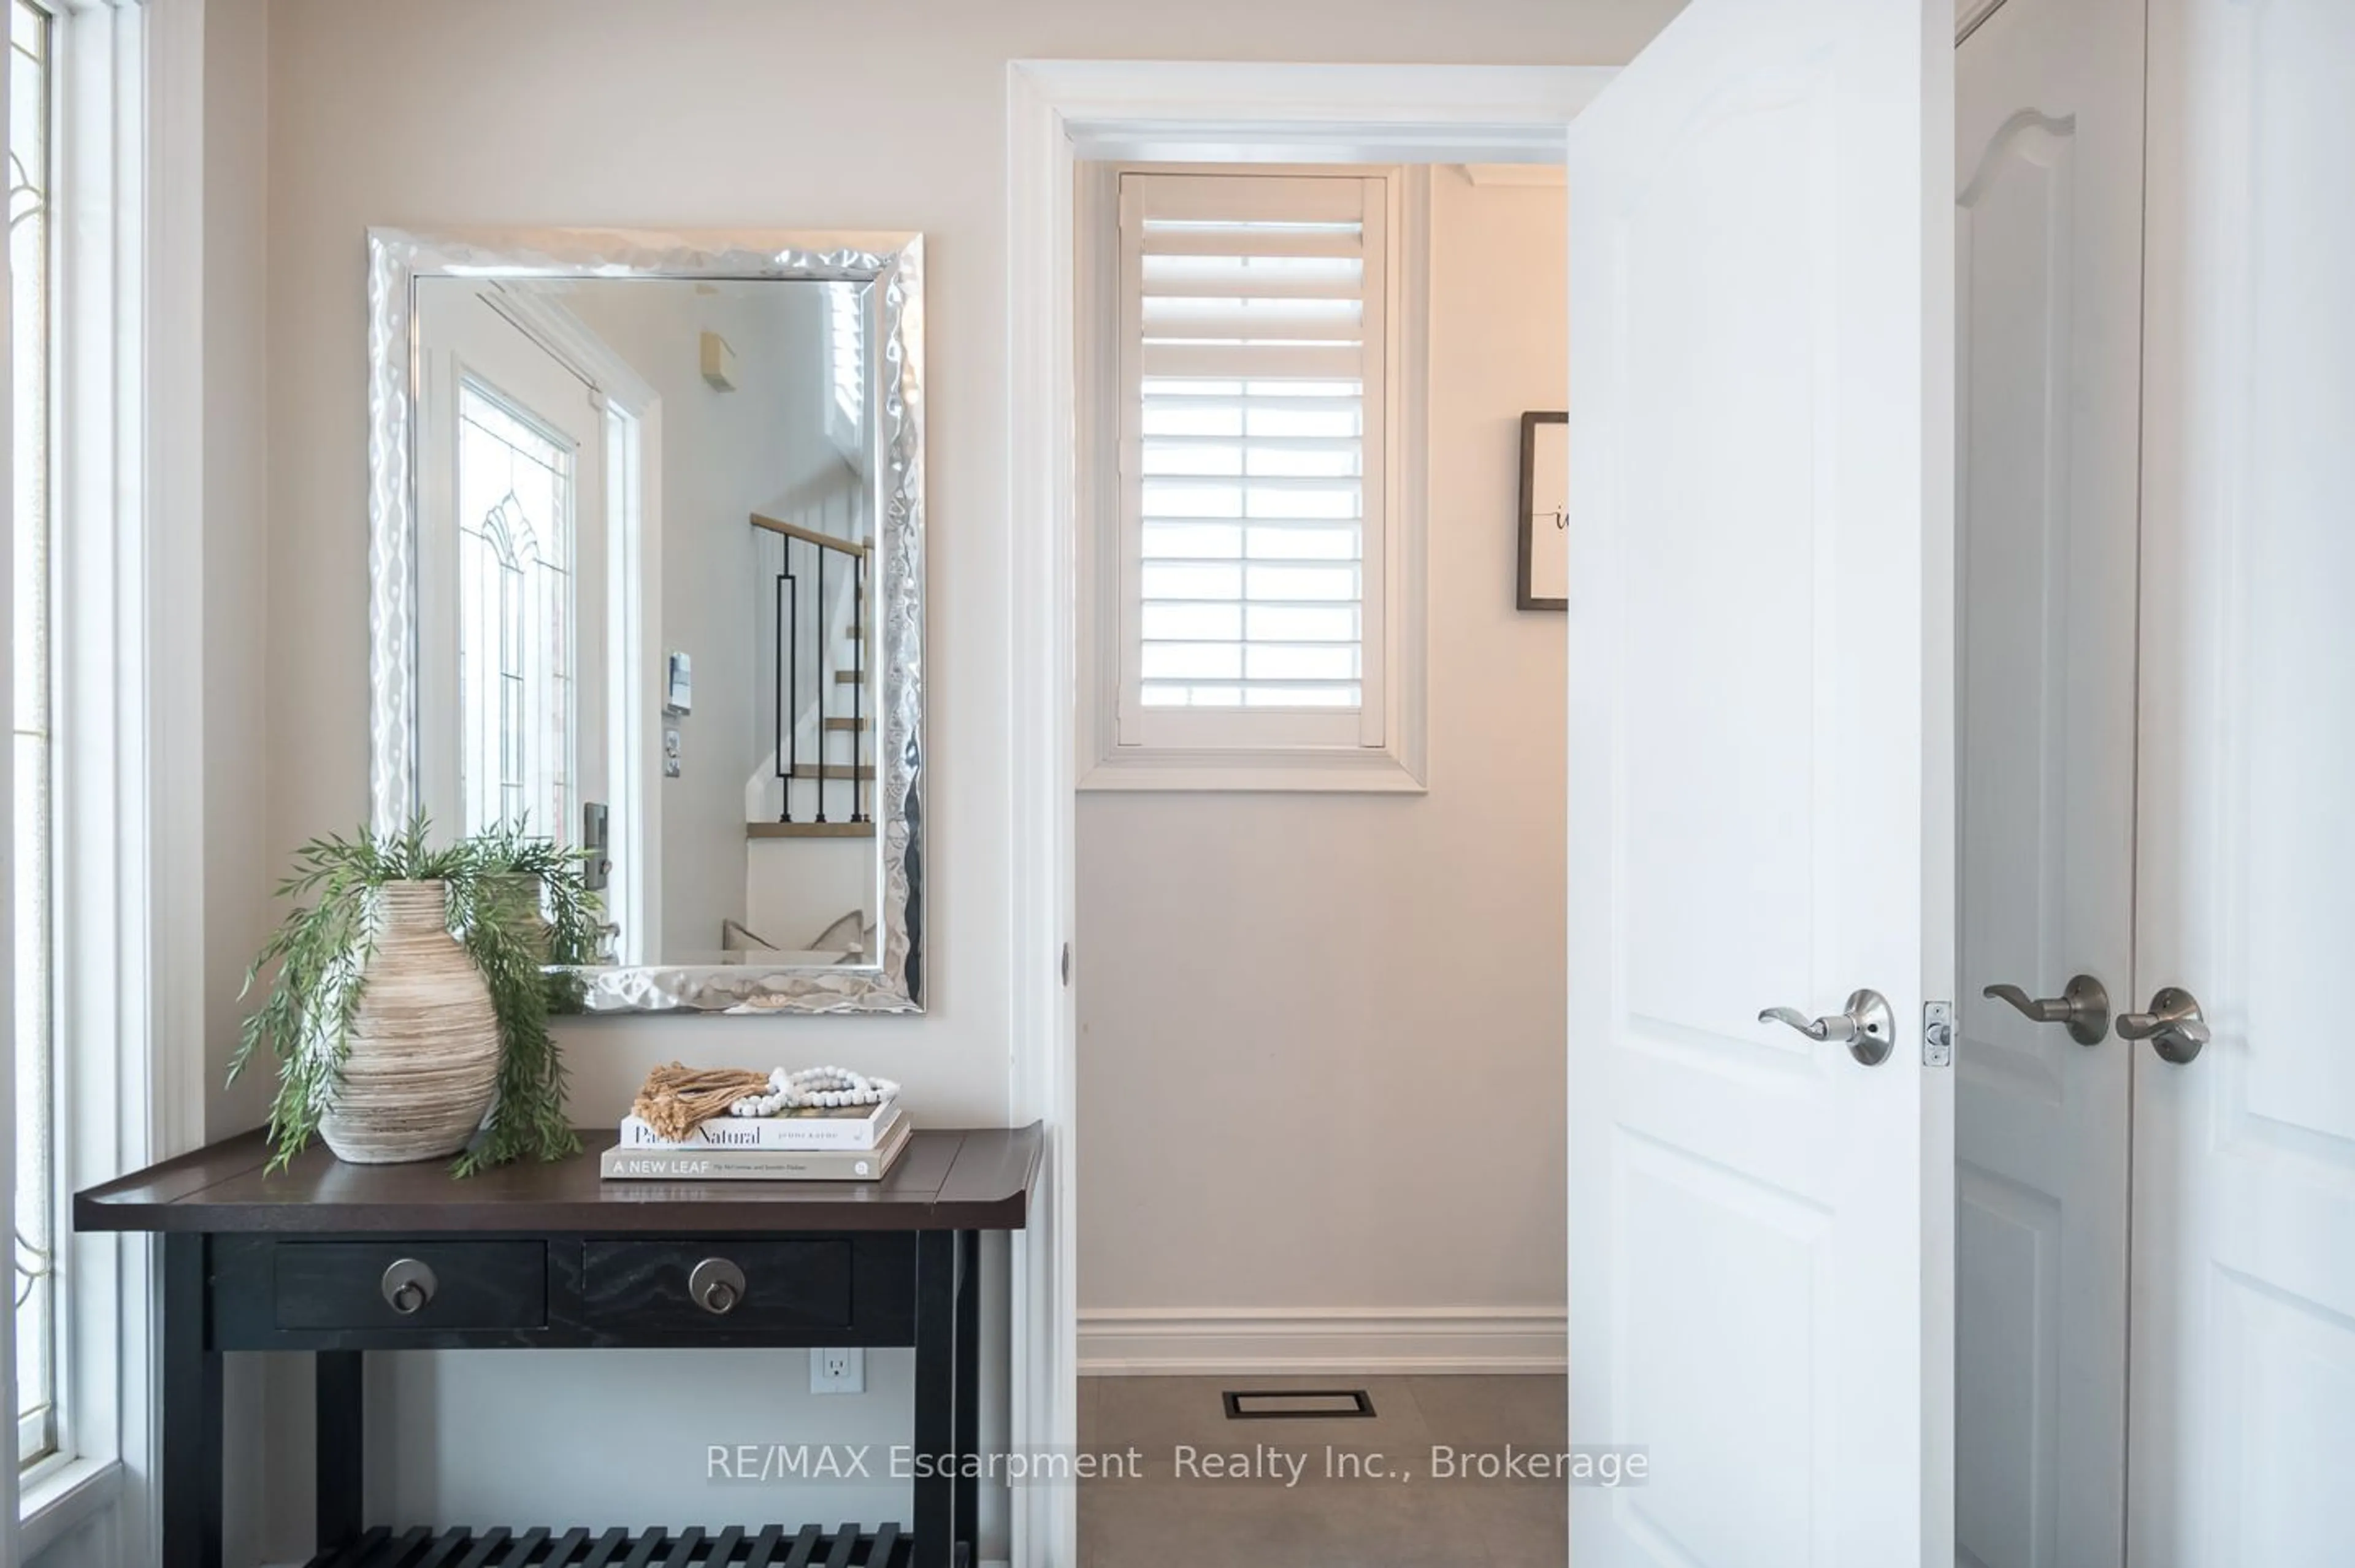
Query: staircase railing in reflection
pixel 820 677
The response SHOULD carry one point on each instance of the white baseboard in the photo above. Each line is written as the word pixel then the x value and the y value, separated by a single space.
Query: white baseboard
pixel 1127 1341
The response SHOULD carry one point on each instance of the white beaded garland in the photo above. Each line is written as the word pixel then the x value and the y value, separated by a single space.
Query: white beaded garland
pixel 827 1088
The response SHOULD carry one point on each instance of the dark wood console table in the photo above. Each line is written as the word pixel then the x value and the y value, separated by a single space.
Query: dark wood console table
pixel 334 1260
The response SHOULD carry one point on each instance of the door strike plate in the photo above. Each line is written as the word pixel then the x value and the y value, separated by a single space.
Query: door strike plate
pixel 1937 1034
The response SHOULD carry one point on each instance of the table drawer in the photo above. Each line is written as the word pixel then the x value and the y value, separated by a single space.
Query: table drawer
pixel 448 1285
pixel 724 1287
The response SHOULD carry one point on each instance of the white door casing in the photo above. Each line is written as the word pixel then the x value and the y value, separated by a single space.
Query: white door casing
pixel 2243 1342
pixel 1057 113
pixel 2048 177
pixel 1760 737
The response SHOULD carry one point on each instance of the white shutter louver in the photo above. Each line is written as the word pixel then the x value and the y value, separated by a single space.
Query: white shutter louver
pixel 1252 459
pixel 846 360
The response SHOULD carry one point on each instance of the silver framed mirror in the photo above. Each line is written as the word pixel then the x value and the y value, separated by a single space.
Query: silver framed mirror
pixel 646 529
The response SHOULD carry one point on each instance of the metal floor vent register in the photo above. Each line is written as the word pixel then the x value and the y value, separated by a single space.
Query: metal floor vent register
pixel 1298 1405
pixel 734 1547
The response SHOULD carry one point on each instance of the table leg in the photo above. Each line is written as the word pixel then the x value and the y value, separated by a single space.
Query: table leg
pixel 968 1386
pixel 340 1400
pixel 191 1480
pixel 935 1494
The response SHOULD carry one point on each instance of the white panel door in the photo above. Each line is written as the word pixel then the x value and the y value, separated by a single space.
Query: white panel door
pixel 2243 1260
pixel 1760 786
pixel 2048 284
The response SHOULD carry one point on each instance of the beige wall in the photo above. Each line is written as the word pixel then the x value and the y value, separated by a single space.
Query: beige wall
pixel 1320 1035
pixel 241 856
pixel 239 868
pixel 889 114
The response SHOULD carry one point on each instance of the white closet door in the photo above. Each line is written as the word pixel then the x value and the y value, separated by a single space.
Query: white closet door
pixel 1761 759
pixel 2047 280
pixel 2244 1299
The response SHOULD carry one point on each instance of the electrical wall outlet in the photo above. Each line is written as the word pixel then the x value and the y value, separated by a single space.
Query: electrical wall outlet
pixel 838 1371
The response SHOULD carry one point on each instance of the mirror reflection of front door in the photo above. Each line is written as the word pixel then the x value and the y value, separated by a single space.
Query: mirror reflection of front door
pixel 516 763
pixel 511 500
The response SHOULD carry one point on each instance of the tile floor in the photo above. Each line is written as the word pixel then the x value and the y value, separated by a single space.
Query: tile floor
pixel 1367 1494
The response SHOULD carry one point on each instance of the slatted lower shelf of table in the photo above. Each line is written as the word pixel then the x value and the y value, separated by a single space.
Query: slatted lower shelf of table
pixel 772 1546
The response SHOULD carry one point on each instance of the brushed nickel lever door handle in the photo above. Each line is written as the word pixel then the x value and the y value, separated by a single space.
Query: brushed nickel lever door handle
pixel 2084 1006
pixel 2174 1026
pixel 1866 1027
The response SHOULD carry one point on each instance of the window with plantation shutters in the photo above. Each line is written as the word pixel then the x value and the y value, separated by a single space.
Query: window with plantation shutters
pixel 1249 381
pixel 1253 356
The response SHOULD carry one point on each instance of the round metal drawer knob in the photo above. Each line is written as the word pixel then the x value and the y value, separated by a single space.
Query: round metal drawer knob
pixel 716 1285
pixel 409 1285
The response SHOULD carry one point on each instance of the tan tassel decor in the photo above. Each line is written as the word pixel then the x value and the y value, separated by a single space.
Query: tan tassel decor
pixel 676 1098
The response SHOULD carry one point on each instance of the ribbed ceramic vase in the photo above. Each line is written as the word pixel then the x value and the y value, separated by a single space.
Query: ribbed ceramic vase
pixel 424 1060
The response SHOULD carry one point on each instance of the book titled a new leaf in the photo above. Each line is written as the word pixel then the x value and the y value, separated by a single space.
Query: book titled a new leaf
pixel 850 1130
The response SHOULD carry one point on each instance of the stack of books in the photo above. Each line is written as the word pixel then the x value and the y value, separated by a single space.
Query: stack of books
pixel 854 1143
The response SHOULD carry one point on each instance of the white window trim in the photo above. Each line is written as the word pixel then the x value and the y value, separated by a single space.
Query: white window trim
pixel 129 832
pixel 11 1479
pixel 1399 766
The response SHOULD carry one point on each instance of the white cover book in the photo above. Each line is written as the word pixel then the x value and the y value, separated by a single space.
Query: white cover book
pixel 792 1133
pixel 753 1165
